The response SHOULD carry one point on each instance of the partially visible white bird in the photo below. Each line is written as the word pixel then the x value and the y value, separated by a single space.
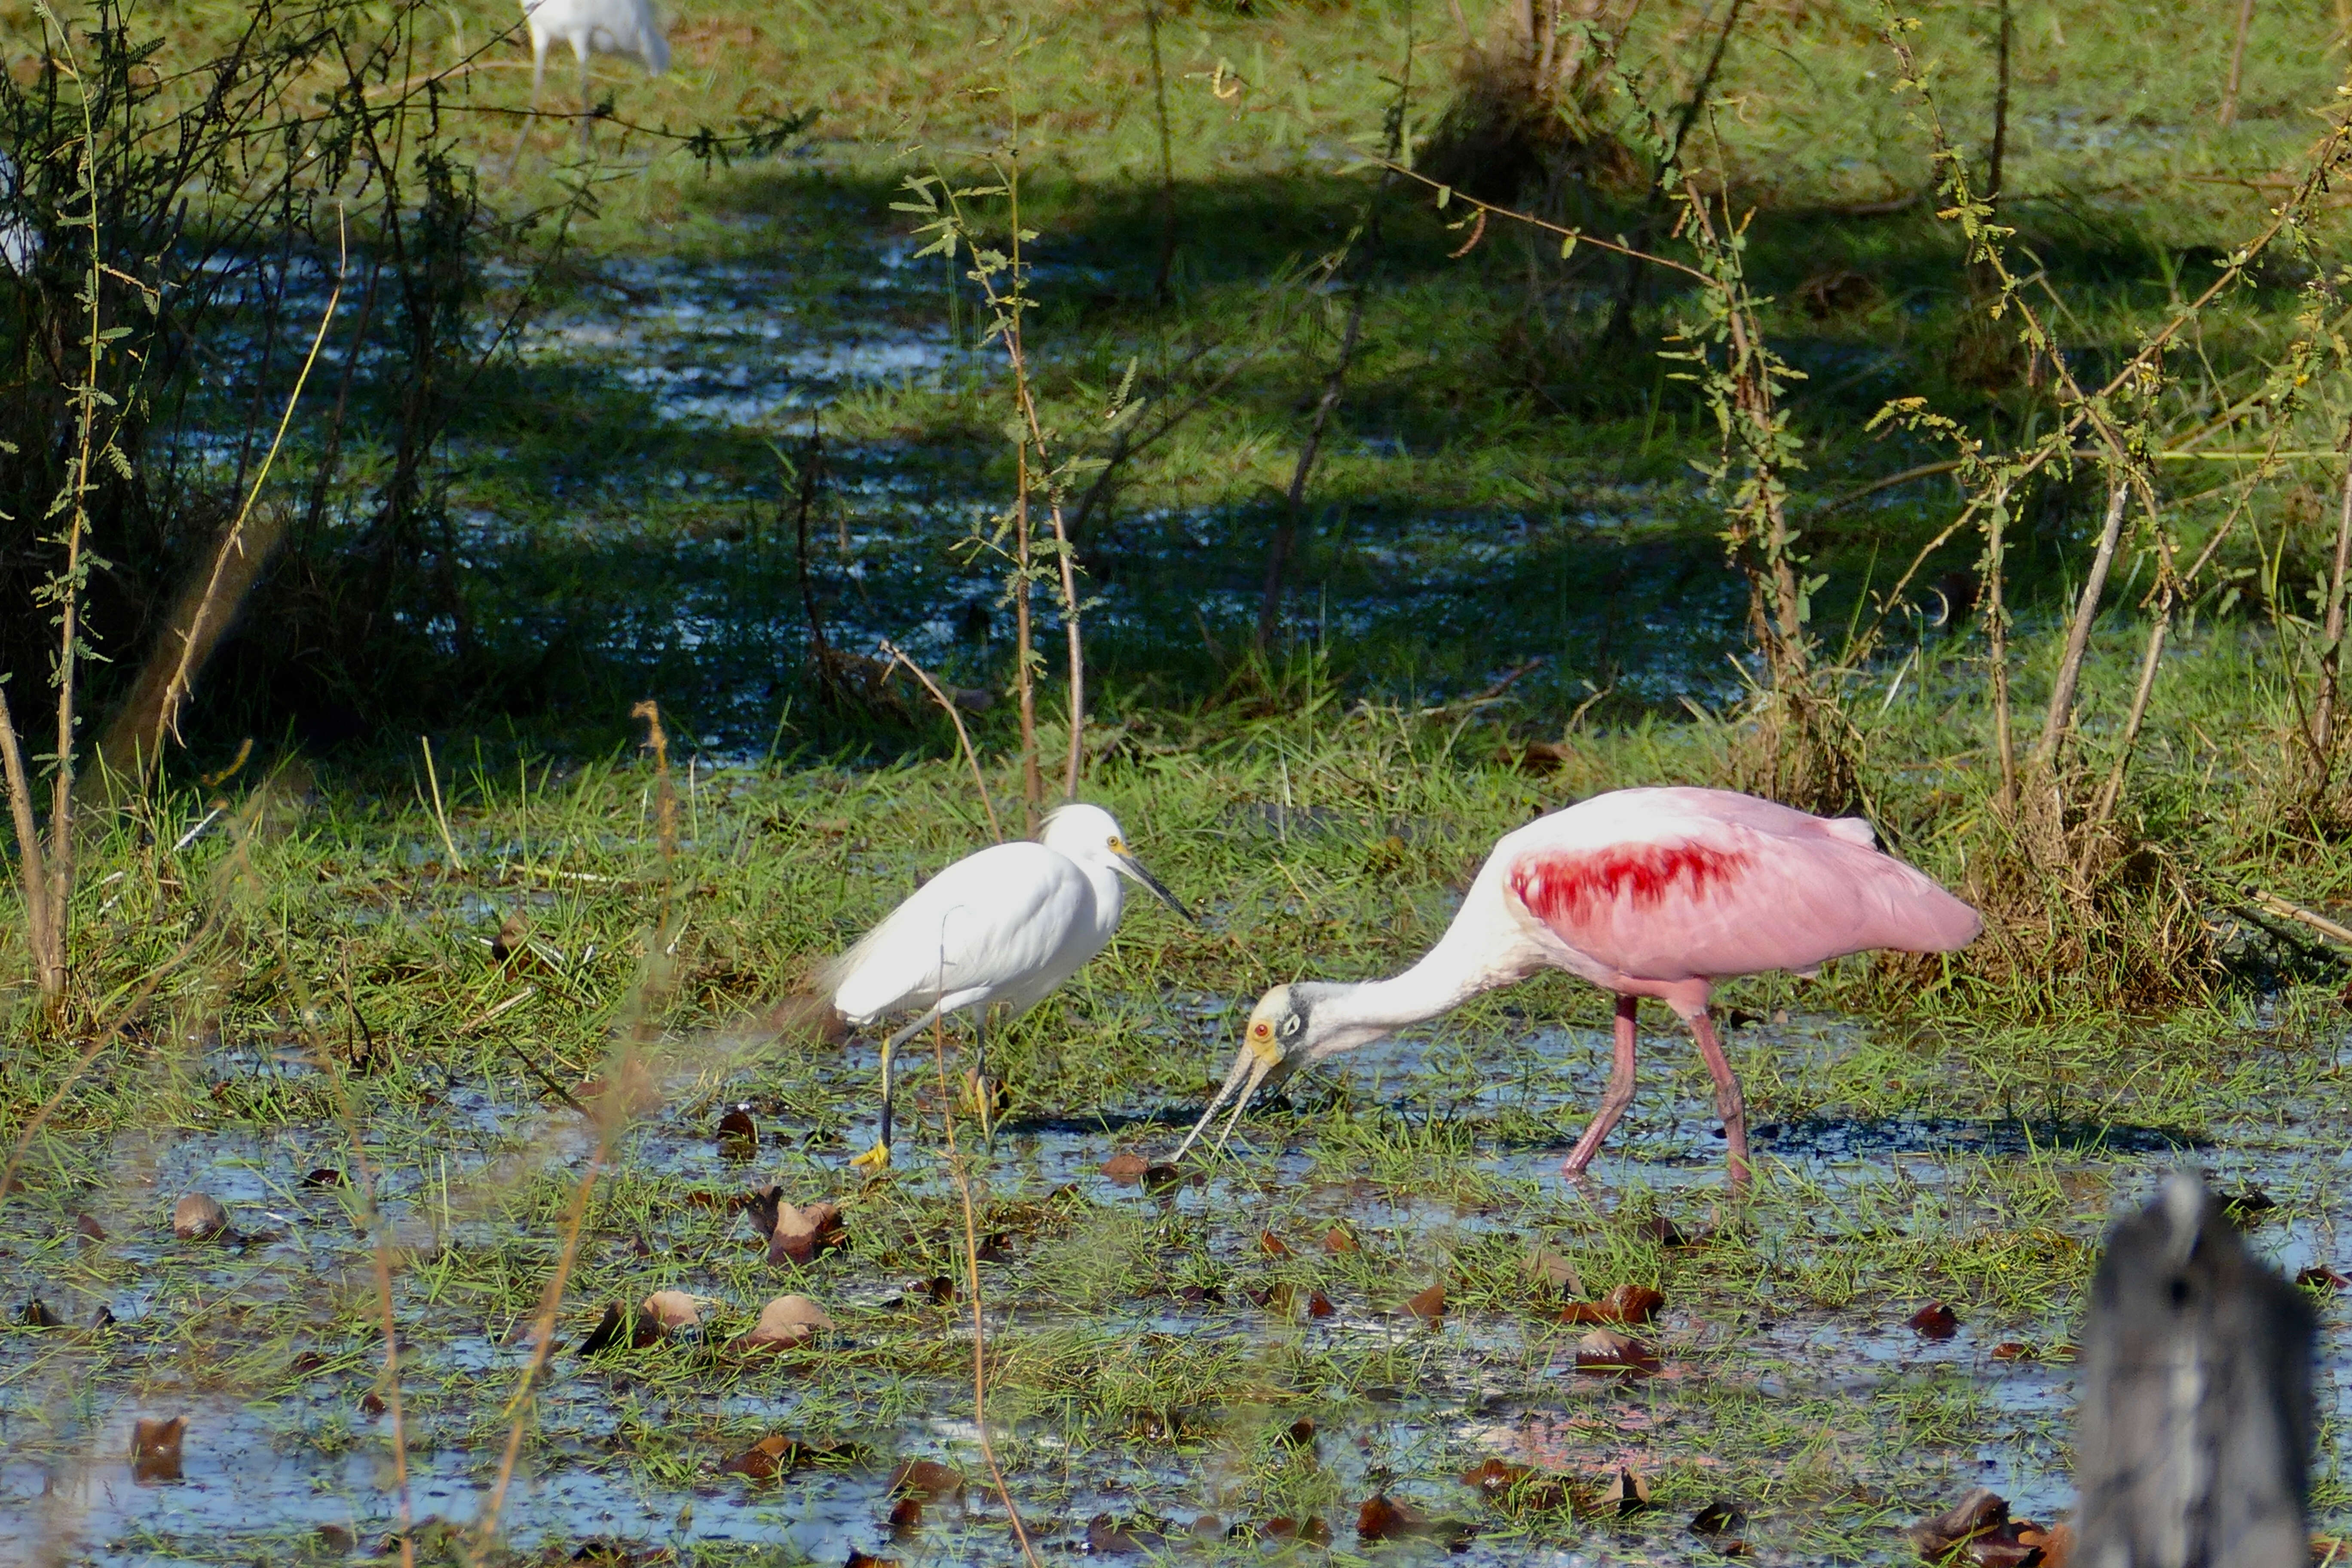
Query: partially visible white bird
pixel 592 27
pixel 20 242
pixel 1004 927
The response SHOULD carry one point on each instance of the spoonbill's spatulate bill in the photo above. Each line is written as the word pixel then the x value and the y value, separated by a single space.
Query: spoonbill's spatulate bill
pixel 1644 892
pixel 1000 928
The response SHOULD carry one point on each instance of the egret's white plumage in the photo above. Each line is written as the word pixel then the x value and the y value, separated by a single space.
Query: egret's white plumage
pixel 1002 927
pixel 20 242
pixel 594 28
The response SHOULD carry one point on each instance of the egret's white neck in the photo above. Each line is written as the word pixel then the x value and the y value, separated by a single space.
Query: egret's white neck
pixel 1110 896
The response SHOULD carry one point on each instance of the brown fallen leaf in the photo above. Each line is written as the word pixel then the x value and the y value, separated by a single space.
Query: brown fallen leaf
pixel 1382 1517
pixel 1300 1434
pixel 857 1559
pixel 1319 1305
pixel 1935 1322
pixel 1628 1493
pixel 610 1329
pixel 1518 1488
pixel 1310 1530
pixel 1108 1536
pixel 155 1449
pixel 739 1133
pixel 2015 1350
pixel 783 1321
pixel 670 1311
pixel 1272 1245
pixel 1606 1351
pixel 1622 1304
pixel 1666 1232
pixel 1160 1177
pixel 2246 1207
pixel 1429 1305
pixel 373 1403
pixel 1546 1267
pixel 928 1479
pixel 37 1314
pixel 906 1517
pixel 1977 1530
pixel 1126 1167
pixel 2322 1274
pixel 89 1229
pixel 1721 1517
pixel 800 1233
pixel 325 1176
pixel 775 1456
pixel 198 1216
pixel 101 1320
pixel 1339 1243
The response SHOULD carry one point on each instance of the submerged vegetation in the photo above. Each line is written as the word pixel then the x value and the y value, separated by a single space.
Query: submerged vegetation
pixel 489 599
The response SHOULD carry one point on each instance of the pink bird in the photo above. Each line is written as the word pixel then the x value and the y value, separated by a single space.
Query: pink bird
pixel 1644 892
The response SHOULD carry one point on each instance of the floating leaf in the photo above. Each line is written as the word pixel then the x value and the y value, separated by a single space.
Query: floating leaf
pixel 738 1134
pixel 610 1329
pixel 155 1449
pixel 1605 1351
pixel 1546 1267
pixel 1628 1493
pixel 1935 1322
pixel 198 1216
pixel 928 1479
pixel 1428 1305
pixel 1126 1167
pixel 1272 1245
pixel 1339 1243
pixel 800 1234
pixel 1622 1304
pixel 776 1456
pixel 783 1321
pixel 1519 1487
pixel 2322 1274
pixel 37 1314
pixel 1977 1530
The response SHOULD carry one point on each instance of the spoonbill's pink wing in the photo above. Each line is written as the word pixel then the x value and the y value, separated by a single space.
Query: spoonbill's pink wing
pixel 1658 890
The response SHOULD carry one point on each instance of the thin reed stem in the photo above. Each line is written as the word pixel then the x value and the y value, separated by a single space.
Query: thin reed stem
pixel 2078 631
pixel 972 1288
pixel 440 817
pixel 892 651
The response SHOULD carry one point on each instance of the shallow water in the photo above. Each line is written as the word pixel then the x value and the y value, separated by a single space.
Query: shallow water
pixel 278 1450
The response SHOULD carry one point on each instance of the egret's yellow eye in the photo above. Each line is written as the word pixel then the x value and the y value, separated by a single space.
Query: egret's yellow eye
pixel 1119 846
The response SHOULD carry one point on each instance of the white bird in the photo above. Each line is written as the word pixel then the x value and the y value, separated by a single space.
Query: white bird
pixel 1004 927
pixel 20 242
pixel 592 27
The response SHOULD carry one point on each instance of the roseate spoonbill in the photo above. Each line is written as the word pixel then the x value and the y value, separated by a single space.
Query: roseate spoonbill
pixel 1644 892
pixel 1003 927
pixel 592 27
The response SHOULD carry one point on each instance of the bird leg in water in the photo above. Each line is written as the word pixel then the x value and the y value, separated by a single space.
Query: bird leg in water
pixel 1615 1098
pixel 981 1093
pixel 879 1157
pixel 1727 1102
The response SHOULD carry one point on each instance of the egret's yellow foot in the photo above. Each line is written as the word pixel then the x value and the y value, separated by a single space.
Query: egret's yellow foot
pixel 877 1158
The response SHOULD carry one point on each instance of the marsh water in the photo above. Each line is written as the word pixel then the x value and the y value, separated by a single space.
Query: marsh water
pixel 259 1338
pixel 285 1450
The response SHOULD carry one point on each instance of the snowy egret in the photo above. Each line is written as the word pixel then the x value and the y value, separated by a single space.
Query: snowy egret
pixel 20 242
pixel 592 27
pixel 1000 928
pixel 1644 892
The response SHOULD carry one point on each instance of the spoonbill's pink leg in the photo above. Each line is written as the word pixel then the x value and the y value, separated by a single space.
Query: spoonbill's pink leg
pixel 1614 1098
pixel 1727 1102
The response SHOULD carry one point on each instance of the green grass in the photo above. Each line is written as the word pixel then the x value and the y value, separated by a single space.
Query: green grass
pixel 1499 485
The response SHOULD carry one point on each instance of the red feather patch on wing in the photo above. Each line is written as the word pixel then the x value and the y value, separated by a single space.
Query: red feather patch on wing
pixel 1563 887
